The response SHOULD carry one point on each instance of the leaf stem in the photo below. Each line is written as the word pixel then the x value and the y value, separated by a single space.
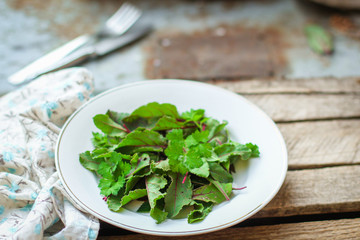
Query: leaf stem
pixel 126 128
pixel 183 181
pixel 241 188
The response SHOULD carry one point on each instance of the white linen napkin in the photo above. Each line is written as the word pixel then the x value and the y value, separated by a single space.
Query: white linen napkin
pixel 33 202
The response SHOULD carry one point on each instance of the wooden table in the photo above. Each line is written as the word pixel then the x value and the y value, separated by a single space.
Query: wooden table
pixel 319 118
pixel 320 198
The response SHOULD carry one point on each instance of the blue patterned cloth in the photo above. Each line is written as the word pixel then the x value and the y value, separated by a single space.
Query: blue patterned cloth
pixel 33 202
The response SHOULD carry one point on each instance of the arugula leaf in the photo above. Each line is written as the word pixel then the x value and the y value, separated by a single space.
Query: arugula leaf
pixel 178 194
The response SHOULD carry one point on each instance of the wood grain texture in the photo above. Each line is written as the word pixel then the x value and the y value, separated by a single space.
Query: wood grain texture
pixel 322 143
pixel 331 229
pixel 316 191
pixel 307 85
pixel 300 107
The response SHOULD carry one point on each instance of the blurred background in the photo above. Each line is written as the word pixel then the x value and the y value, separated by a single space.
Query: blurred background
pixel 192 39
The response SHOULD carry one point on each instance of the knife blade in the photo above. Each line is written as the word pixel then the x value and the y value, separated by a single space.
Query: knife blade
pixel 33 69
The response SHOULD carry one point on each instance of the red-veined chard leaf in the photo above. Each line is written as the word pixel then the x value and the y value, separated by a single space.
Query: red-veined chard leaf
pixel 141 141
pixel 219 173
pixel 211 193
pixel 147 115
pixel 168 123
pixel 154 183
pixel 200 211
pixel 178 194
pixel 108 126
pixel 89 162
pixel 233 149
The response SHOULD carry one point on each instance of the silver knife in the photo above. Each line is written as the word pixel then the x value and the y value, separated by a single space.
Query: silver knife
pixel 94 50
pixel 32 70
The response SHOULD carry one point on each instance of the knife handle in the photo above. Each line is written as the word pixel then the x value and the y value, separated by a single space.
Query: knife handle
pixel 35 69
pixel 72 60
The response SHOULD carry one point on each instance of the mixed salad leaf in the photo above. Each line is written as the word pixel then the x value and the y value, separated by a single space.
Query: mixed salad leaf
pixel 173 163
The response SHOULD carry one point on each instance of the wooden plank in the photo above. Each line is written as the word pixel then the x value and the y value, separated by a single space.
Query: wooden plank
pixel 322 143
pixel 326 190
pixel 331 229
pixel 307 85
pixel 299 107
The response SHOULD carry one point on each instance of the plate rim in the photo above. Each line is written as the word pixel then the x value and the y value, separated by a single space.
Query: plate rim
pixel 172 233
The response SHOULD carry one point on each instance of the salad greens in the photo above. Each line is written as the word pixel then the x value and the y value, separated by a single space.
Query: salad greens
pixel 174 163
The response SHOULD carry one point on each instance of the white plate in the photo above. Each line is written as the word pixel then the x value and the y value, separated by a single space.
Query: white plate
pixel 263 176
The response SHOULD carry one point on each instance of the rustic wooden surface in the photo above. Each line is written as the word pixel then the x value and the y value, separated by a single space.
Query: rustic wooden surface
pixel 320 198
pixel 333 229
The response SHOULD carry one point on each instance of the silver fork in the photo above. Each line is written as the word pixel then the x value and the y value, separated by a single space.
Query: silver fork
pixel 120 22
pixel 115 26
